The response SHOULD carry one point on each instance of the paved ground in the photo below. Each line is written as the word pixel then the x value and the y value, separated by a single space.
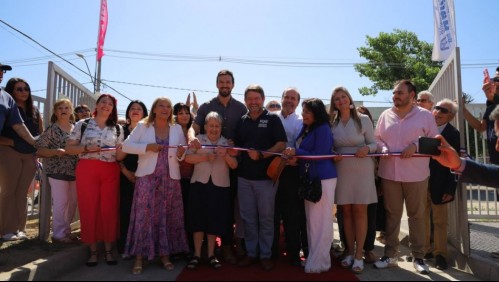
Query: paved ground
pixel 69 266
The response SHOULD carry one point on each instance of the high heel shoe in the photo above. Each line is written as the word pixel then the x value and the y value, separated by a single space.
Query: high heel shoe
pixel 109 258
pixel 92 260
pixel 137 267
pixel 167 264
pixel 347 262
pixel 358 266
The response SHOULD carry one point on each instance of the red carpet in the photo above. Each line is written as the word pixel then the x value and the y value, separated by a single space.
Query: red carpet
pixel 281 272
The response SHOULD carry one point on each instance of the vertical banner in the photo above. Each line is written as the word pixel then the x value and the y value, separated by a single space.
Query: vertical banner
pixel 102 29
pixel 445 29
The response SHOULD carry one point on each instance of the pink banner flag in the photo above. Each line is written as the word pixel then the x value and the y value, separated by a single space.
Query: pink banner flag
pixel 102 29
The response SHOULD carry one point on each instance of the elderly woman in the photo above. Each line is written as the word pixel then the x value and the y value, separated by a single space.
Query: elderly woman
pixel 209 193
pixel 98 176
pixel 18 166
pixel 157 218
pixel 60 169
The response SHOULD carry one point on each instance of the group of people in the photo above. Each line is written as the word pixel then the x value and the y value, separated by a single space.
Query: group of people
pixel 172 178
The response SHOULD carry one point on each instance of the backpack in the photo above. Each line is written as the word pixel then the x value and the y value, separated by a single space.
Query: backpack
pixel 85 124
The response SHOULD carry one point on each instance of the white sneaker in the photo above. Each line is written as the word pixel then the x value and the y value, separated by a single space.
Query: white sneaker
pixel 21 235
pixel 10 237
pixel 386 262
pixel 420 266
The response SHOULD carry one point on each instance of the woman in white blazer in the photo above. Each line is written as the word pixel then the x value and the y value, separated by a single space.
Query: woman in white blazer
pixel 157 218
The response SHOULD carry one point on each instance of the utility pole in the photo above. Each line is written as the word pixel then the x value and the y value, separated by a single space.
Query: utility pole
pixel 97 80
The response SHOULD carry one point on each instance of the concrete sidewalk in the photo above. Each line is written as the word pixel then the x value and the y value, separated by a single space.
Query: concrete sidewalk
pixel 70 264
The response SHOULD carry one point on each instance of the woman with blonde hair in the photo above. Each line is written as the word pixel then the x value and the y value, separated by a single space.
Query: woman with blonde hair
pixel 60 169
pixel 353 134
pixel 157 218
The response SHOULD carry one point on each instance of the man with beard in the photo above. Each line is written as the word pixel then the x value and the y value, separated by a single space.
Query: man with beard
pixel 261 133
pixel 231 111
pixel 404 178
pixel 288 206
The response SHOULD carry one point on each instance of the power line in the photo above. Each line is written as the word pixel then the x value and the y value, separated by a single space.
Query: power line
pixel 58 56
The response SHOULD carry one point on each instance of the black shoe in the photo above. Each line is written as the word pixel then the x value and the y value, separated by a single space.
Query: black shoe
pixel 428 256
pixel 440 263
pixel 92 260
pixel 109 258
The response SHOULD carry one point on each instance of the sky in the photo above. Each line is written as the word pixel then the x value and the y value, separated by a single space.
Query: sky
pixel 170 48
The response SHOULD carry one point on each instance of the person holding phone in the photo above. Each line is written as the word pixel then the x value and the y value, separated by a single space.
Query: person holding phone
pixel 404 178
pixel 491 89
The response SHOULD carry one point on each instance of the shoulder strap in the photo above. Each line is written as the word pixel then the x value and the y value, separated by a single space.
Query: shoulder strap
pixel 83 127
pixel 118 131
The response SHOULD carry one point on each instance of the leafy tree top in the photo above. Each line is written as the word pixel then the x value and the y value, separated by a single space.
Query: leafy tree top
pixel 394 56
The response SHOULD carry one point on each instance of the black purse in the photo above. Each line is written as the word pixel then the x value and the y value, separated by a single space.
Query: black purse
pixel 309 189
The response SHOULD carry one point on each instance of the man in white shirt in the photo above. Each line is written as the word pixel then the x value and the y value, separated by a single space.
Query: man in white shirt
pixel 288 207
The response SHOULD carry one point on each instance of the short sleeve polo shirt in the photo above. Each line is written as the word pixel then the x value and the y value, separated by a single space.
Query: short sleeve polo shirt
pixel 260 134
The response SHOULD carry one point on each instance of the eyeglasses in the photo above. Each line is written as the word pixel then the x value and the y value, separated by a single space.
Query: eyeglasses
pixel 442 110
pixel 422 100
pixel 274 106
pixel 21 89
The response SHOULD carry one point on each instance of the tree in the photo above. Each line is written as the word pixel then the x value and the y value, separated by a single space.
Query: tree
pixel 395 56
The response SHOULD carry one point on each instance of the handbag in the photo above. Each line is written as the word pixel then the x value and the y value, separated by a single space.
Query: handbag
pixel 309 189
pixel 276 167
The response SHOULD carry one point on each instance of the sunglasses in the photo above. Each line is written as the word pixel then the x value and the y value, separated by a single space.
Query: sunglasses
pixel 21 89
pixel 83 111
pixel 442 110
pixel 274 106
pixel 422 100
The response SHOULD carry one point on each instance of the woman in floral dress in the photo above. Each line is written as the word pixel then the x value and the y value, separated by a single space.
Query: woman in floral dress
pixel 157 218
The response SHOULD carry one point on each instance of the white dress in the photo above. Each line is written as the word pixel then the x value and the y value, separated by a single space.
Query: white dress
pixel 355 175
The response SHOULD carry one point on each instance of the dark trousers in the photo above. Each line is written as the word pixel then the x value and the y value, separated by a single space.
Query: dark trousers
pixel 185 184
pixel 290 209
pixel 228 238
pixel 126 200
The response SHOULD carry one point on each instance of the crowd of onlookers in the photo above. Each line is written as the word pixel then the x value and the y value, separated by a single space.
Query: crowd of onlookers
pixel 172 178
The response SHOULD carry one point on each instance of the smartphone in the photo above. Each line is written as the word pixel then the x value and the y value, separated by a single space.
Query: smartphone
pixel 429 146
pixel 486 75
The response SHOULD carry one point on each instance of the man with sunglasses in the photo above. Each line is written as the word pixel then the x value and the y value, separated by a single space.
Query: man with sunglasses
pixel 425 100
pixel 470 171
pixel 441 186
pixel 9 113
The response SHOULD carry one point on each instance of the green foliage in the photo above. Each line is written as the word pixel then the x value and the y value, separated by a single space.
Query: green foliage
pixel 395 56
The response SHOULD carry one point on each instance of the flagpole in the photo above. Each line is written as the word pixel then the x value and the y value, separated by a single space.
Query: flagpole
pixel 103 19
pixel 97 79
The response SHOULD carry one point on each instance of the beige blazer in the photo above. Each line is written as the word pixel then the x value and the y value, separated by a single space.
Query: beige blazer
pixel 218 170
pixel 142 135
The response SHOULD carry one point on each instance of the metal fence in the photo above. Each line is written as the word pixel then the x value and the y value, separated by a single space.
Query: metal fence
pixel 59 85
